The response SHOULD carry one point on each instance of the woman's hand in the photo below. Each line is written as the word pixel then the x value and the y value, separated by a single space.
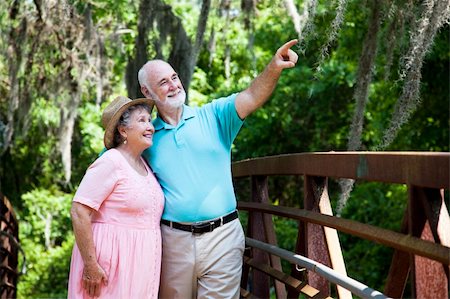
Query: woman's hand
pixel 93 274
pixel 93 278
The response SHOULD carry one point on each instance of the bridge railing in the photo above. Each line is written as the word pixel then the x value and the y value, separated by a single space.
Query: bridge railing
pixel 9 249
pixel 421 247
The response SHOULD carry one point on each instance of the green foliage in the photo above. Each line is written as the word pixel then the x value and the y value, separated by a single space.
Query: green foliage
pixel 286 231
pixel 47 240
pixel 88 140
pixel 380 205
pixel 46 215
pixel 48 270
pixel 38 147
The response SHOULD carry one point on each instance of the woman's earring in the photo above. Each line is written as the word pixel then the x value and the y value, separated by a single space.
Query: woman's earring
pixel 125 141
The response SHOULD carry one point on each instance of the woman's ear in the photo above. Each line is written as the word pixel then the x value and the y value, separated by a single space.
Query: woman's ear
pixel 122 131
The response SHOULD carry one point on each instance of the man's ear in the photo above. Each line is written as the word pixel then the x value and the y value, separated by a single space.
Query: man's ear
pixel 145 91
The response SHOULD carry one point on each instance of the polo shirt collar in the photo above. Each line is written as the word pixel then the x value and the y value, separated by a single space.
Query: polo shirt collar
pixel 188 112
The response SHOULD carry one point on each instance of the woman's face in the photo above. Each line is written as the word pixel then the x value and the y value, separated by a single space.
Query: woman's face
pixel 139 132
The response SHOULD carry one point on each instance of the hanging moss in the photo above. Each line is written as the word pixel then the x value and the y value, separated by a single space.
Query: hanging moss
pixel 433 16
pixel 364 78
pixel 333 33
pixel 303 23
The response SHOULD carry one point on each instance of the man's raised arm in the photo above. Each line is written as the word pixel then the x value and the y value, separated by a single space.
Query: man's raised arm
pixel 264 84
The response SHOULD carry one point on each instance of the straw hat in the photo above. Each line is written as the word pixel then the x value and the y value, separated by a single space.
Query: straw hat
pixel 114 111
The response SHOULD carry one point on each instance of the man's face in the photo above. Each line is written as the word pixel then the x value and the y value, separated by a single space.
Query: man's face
pixel 165 85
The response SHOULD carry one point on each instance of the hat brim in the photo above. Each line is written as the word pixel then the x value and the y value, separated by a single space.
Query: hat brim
pixel 108 139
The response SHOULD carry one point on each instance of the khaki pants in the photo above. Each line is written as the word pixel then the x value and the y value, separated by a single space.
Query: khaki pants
pixel 205 265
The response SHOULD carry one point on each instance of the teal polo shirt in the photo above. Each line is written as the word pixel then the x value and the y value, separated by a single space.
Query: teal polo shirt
pixel 192 161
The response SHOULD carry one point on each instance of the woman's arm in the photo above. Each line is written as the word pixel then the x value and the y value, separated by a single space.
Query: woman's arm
pixel 93 274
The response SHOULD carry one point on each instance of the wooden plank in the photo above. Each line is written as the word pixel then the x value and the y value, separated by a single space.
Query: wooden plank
pixel 300 248
pixel 386 237
pixel 425 169
pixel 436 212
pixel 290 281
pixel 275 261
pixel 247 295
pixel 430 278
pixel 260 282
pixel 399 269
pixel 317 249
pixel 333 244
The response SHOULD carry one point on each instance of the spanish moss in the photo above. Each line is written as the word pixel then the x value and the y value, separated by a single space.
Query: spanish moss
pixel 334 30
pixel 302 23
pixel 363 80
pixel 434 15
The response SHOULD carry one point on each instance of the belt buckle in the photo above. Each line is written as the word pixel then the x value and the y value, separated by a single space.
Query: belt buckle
pixel 198 227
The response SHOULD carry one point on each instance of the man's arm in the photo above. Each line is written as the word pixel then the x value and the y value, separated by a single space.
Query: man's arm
pixel 262 86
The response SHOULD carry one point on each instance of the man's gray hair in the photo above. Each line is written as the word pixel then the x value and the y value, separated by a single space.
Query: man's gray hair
pixel 143 75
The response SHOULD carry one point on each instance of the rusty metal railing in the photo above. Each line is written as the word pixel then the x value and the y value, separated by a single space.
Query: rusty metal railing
pixel 9 249
pixel 421 247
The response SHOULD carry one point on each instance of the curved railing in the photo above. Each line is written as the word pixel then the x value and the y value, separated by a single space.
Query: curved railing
pixel 421 247
pixel 9 249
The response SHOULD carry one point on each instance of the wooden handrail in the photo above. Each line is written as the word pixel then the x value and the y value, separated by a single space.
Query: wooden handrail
pixel 422 169
pixel 386 237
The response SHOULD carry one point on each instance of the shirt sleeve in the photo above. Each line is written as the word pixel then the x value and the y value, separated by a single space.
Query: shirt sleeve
pixel 98 182
pixel 229 121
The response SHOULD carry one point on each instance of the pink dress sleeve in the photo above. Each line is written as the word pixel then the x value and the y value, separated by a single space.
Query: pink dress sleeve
pixel 98 182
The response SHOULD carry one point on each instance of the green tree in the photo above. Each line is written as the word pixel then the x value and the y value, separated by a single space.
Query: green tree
pixel 62 63
pixel 46 238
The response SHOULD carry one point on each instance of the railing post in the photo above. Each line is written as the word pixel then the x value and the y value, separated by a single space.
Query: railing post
pixel 260 281
pixel 316 246
pixel 428 220
pixel 261 228
pixel 322 242
pixel 300 248
pixel 8 249
pixel 399 269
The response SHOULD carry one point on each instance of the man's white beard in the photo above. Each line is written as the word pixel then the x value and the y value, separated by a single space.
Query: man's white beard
pixel 172 103
pixel 178 101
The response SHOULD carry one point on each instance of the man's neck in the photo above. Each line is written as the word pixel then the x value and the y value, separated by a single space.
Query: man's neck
pixel 171 116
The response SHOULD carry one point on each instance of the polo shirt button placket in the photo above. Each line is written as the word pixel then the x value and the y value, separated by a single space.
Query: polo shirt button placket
pixel 178 137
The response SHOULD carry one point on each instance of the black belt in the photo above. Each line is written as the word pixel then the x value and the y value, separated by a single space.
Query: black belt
pixel 204 226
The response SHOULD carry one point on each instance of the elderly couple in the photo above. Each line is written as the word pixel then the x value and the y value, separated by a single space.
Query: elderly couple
pixel 160 221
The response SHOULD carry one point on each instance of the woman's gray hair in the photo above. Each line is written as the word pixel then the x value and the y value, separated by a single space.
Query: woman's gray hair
pixel 124 121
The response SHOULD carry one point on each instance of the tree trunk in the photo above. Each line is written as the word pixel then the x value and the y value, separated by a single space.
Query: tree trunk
pixel 17 36
pixel 363 78
pixel 147 11
pixel 183 55
pixel 83 37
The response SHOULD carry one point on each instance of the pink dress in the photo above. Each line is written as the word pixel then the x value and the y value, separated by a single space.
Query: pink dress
pixel 126 228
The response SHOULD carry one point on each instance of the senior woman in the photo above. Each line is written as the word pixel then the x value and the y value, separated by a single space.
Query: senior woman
pixel 116 212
